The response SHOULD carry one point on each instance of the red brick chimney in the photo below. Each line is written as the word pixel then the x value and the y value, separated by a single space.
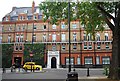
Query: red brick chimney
pixel 33 7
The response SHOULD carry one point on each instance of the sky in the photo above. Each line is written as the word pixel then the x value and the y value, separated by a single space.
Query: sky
pixel 6 5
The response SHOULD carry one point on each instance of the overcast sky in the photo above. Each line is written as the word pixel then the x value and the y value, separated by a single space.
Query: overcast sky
pixel 6 5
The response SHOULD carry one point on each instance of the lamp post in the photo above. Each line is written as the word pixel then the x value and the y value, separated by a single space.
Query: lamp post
pixel 31 54
pixel 69 37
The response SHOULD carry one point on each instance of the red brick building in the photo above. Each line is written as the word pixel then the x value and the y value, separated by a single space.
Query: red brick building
pixel 24 24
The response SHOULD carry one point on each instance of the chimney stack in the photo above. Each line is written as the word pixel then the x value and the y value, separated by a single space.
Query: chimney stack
pixel 33 7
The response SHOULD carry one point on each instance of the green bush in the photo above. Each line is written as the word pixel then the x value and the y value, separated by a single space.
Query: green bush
pixel 38 53
pixel 7 50
pixel 106 71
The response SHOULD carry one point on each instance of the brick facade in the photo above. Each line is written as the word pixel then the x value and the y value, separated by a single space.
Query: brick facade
pixel 56 38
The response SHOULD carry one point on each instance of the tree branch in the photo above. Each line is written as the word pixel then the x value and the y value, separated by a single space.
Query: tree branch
pixel 106 13
pixel 111 26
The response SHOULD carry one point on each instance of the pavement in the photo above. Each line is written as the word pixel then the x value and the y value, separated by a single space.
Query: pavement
pixel 47 70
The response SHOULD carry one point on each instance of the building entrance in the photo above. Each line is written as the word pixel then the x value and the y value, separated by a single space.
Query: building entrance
pixel 53 59
pixel 17 61
pixel 53 62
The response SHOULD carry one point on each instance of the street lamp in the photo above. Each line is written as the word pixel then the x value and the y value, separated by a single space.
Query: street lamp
pixel 69 37
pixel 31 54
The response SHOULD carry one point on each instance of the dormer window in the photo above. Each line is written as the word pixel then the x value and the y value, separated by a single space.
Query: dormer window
pixel 21 17
pixel 6 18
pixel 25 11
pixel 35 17
pixel 54 26
pixel 37 10
pixel 14 13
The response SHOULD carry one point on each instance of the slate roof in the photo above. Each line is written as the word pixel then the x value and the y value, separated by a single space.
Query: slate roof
pixel 19 10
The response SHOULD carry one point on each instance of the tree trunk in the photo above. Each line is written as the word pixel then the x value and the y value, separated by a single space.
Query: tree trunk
pixel 115 63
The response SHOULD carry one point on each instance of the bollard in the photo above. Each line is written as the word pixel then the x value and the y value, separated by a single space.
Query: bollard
pixel 33 69
pixel 4 70
pixel 25 69
pixel 19 69
pixel 88 72
pixel 11 69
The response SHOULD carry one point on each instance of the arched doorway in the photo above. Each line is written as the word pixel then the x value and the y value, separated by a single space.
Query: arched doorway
pixel 53 62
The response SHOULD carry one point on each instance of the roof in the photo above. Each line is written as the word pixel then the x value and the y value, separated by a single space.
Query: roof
pixel 23 10
pixel 19 10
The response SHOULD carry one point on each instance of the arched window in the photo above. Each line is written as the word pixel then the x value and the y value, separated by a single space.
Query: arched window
pixel 98 37
pixel 106 36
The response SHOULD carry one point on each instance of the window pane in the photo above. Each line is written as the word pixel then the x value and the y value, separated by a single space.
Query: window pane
pixel 74 36
pixel 54 37
pixel 78 60
pixel 63 37
pixel 74 46
pixel 54 26
pixel 67 61
pixel 63 47
pixel 63 26
pixel 44 27
pixel 74 26
pixel 97 60
pixel 54 48
pixel 88 60
pixel 106 60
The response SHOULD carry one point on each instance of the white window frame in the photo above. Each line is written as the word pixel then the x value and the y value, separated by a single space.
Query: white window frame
pixel 74 37
pixel 35 27
pixel 44 37
pixel 67 61
pixel 98 46
pixel 85 36
pixel 6 19
pixel 63 26
pixel 34 37
pixel 107 46
pixel 53 37
pixel 17 38
pixel 74 25
pixel 105 60
pixel 25 11
pixel 78 60
pixel 21 38
pixel 9 38
pixel 106 37
pixel 53 26
pixel 23 27
pixel 89 37
pixel 54 47
pixel 90 46
pixel 19 47
pixel 21 17
pixel 98 37
pixel 63 37
pixel 97 60
pixel 85 45
pixel 74 46
pixel 88 60
pixel 37 10
pixel 63 47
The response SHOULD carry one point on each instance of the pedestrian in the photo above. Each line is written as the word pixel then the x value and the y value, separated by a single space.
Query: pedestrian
pixel 14 67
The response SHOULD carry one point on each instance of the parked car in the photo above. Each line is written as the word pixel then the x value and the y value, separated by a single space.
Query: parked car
pixel 29 65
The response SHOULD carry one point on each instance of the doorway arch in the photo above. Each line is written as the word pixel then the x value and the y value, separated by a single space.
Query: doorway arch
pixel 53 62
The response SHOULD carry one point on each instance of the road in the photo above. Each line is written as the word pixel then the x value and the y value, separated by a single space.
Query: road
pixel 53 74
